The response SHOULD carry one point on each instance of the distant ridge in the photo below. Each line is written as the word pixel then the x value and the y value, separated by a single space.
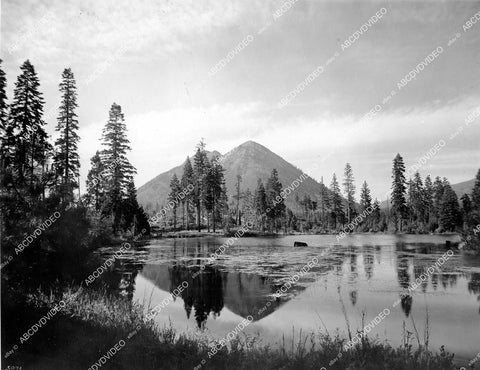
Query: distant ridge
pixel 250 160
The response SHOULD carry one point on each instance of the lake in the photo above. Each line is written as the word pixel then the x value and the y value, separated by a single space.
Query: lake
pixel 360 275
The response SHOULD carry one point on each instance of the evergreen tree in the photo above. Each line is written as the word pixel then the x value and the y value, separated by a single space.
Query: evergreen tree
pixel 96 183
pixel 417 199
pixel 376 215
pixel 66 159
pixel 398 192
pixel 466 207
pixel 130 208
pixel 187 182
pixel 450 215
pixel 365 197
pixel 173 196
pixel 3 117
pixel 336 202
pixel 214 181
pixel 365 201
pixel 260 201
pixel 476 195
pixel 119 172
pixel 223 206
pixel 428 199
pixel 248 209
pixel 438 189
pixel 349 189
pixel 238 196
pixel 275 202
pixel 200 161
pixel 324 202
pixel 25 130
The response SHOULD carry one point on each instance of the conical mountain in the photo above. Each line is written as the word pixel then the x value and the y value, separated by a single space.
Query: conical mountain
pixel 251 161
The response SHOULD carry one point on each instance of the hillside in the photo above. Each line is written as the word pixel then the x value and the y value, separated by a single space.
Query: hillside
pixel 465 187
pixel 249 160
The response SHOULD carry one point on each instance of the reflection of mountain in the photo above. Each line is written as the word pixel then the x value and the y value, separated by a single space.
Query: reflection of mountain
pixel 243 294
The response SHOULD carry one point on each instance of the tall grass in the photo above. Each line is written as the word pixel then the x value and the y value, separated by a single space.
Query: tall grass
pixel 92 322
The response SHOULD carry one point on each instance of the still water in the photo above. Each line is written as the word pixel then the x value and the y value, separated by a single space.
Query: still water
pixel 361 274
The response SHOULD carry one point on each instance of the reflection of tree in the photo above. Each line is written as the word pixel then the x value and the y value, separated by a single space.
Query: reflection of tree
pixel 353 297
pixel 204 293
pixel 418 270
pixel 120 279
pixel 404 281
pixel 474 285
pixel 353 277
pixel 368 261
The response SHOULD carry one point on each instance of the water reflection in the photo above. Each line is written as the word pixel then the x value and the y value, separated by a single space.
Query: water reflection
pixel 371 272
pixel 208 292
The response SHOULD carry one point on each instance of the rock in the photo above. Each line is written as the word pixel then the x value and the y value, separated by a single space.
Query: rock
pixel 300 244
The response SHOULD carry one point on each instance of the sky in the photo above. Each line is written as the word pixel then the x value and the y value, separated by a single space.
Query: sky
pixel 157 60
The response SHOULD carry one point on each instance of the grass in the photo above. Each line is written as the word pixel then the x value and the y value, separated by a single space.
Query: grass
pixel 92 322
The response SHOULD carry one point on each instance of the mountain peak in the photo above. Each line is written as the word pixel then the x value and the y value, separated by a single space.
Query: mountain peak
pixel 250 160
pixel 251 143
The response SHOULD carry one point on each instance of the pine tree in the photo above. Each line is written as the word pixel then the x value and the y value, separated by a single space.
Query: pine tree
pixel 376 214
pixel 173 196
pixel 3 118
pixel 187 182
pixel 466 207
pixel 324 202
pixel 349 188
pixel 398 192
pixel 26 130
pixel 428 199
pixel 450 215
pixel 438 190
pixel 200 161
pixel 260 200
pixel 336 201
pixel 417 198
pixel 119 172
pixel 476 195
pixel 66 159
pixel 223 207
pixel 96 183
pixel 238 196
pixel 365 201
pixel 131 208
pixel 214 181
pixel 365 197
pixel 275 202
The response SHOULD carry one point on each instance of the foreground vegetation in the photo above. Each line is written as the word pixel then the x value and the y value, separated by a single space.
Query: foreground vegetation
pixel 92 322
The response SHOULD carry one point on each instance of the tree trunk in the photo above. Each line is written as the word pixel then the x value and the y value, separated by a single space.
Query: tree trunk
pixel 198 218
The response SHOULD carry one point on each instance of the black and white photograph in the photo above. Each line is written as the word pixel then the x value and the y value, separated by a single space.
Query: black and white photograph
pixel 240 184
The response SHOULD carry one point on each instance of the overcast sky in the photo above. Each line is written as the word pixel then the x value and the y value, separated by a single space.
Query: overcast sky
pixel 154 57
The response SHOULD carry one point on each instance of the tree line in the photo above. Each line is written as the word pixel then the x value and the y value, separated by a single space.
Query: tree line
pixel 416 205
pixel 40 177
